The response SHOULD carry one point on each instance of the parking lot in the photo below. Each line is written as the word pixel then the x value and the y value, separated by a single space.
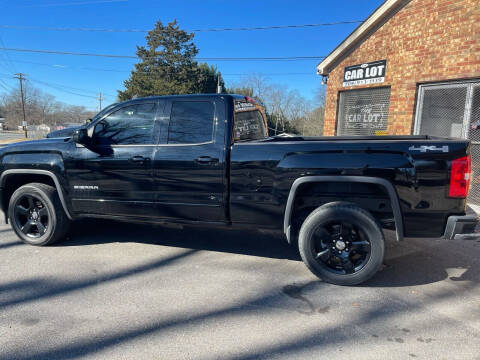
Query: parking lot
pixel 124 291
pixel 7 137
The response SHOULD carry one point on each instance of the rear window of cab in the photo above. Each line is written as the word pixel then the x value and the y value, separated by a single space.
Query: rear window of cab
pixel 249 121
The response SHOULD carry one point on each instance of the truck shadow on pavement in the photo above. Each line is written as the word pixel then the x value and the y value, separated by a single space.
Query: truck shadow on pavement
pixel 244 242
pixel 35 289
pixel 330 334
pixel 425 261
pixel 409 263
pixel 10 244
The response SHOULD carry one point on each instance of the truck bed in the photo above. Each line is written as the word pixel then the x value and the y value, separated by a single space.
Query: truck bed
pixel 413 138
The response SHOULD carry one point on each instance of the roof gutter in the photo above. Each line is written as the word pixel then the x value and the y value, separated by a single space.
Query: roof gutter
pixel 382 12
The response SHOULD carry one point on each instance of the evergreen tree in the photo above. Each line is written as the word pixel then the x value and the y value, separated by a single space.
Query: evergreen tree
pixel 208 79
pixel 167 66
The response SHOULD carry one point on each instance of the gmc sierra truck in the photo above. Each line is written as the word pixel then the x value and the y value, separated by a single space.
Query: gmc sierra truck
pixel 208 159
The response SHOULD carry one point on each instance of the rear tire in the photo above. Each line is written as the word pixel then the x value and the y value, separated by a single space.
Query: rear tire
pixel 37 215
pixel 342 244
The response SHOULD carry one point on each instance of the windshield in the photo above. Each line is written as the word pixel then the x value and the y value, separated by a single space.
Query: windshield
pixel 104 111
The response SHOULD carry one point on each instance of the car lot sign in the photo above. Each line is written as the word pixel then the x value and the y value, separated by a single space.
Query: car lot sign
pixel 364 74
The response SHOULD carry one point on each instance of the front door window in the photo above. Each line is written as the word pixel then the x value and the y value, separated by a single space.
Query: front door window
pixel 130 125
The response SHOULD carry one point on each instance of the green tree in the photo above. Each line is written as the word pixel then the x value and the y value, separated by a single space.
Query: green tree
pixel 208 79
pixel 167 66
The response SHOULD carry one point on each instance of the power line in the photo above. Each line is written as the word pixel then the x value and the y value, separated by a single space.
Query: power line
pixel 8 61
pixel 5 86
pixel 58 87
pixel 149 74
pixel 68 53
pixel 274 74
pixel 63 90
pixel 76 3
pixel 279 58
pixel 253 28
pixel 67 67
pixel 73 88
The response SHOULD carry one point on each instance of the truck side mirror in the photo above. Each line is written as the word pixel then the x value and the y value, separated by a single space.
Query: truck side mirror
pixel 80 136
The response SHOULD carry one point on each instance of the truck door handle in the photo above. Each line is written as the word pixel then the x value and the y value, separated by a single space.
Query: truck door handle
pixel 138 159
pixel 206 160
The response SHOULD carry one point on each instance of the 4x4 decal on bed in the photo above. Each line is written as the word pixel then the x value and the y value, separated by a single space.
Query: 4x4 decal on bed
pixel 425 148
pixel 85 187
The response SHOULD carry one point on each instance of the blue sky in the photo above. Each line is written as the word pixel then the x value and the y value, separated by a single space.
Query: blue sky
pixel 87 76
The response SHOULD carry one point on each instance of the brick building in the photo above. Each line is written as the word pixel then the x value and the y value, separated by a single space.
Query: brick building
pixel 412 67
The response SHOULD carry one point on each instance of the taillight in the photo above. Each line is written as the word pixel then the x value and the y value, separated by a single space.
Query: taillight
pixel 460 177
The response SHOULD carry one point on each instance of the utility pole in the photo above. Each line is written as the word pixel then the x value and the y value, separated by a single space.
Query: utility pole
pixel 100 98
pixel 219 88
pixel 21 77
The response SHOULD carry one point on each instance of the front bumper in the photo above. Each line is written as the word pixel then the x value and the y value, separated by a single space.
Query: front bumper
pixel 460 225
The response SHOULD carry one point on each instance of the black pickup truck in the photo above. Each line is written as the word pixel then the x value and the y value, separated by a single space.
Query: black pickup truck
pixel 207 159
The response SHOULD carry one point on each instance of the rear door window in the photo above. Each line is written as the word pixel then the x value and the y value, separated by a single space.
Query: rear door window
pixel 191 122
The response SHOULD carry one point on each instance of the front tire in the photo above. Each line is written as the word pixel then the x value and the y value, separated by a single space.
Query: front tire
pixel 37 215
pixel 342 244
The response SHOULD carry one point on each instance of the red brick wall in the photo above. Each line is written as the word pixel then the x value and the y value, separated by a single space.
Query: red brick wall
pixel 426 41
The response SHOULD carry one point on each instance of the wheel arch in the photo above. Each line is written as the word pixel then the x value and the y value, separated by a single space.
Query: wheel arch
pixel 387 185
pixel 36 175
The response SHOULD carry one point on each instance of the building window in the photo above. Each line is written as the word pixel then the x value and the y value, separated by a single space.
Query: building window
pixel 363 112
pixel 453 110
pixel 449 110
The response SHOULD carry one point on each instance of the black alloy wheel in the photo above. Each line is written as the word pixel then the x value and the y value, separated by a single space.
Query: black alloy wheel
pixel 341 247
pixel 342 243
pixel 37 214
pixel 31 216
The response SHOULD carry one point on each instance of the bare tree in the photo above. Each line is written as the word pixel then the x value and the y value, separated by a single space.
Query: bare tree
pixel 259 84
pixel 311 122
pixel 288 110
pixel 41 109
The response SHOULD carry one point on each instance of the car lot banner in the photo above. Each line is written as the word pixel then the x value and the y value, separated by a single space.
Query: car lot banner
pixel 366 73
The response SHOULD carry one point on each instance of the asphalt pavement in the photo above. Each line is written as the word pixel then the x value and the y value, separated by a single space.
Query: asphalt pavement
pixel 11 136
pixel 122 291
